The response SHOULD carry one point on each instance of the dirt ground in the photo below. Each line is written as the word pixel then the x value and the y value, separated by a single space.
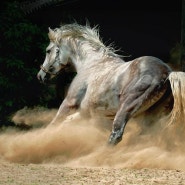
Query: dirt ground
pixel 77 153
pixel 53 174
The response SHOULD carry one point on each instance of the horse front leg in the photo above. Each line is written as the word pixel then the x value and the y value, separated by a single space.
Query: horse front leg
pixel 65 110
pixel 71 103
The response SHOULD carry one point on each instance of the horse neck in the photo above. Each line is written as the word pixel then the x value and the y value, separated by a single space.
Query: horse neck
pixel 84 56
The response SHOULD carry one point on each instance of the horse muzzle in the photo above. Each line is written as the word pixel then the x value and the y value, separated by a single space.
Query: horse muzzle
pixel 41 76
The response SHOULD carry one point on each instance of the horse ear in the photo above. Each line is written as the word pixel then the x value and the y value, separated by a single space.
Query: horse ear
pixel 51 34
pixel 50 30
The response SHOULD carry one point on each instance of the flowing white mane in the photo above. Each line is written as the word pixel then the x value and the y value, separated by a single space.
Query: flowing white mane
pixel 85 34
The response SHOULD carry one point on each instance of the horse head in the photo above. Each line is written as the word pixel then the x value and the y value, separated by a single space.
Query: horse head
pixel 57 57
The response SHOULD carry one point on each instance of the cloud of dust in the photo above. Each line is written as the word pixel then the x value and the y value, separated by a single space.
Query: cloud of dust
pixel 84 143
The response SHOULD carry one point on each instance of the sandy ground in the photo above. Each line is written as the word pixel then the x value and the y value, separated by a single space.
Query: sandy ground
pixel 77 153
pixel 53 174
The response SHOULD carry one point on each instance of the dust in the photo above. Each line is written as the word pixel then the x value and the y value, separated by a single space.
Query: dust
pixel 83 142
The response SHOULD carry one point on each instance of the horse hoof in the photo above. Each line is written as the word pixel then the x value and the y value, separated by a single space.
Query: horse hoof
pixel 115 138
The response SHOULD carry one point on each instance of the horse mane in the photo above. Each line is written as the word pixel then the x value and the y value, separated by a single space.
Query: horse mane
pixel 84 33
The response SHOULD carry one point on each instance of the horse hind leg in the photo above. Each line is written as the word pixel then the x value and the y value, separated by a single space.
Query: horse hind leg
pixel 138 99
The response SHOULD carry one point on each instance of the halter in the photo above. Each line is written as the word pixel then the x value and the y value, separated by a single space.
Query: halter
pixel 48 72
pixel 45 70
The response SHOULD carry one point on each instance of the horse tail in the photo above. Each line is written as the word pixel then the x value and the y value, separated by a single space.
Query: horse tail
pixel 177 82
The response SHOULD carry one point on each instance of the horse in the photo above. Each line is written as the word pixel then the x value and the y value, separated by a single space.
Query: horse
pixel 105 83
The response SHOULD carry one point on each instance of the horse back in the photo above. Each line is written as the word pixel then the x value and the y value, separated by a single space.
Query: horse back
pixel 153 66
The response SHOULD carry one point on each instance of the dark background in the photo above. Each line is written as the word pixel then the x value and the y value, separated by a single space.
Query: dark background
pixel 137 27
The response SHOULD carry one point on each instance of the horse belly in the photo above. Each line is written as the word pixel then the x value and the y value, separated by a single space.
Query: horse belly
pixel 103 93
pixel 101 104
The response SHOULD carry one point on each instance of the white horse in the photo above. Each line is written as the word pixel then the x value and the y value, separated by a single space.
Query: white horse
pixel 105 83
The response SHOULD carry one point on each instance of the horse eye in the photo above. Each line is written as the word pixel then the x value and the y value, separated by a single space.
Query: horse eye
pixel 48 51
pixel 57 51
